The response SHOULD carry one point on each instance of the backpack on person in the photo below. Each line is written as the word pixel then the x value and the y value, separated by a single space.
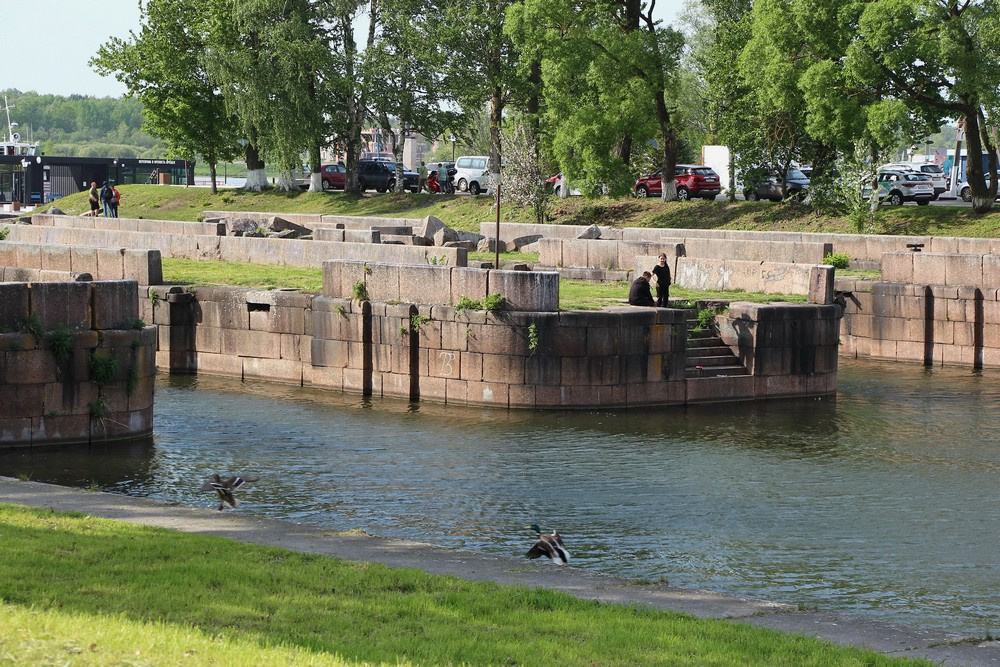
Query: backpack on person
pixel 107 194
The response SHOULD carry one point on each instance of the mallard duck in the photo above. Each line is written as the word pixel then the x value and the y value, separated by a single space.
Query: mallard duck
pixel 224 488
pixel 548 545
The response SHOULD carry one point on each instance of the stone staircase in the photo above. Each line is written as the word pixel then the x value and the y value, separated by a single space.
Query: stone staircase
pixel 708 356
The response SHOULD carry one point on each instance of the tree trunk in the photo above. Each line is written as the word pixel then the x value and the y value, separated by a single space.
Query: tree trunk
pixel 256 177
pixel 212 168
pixel 315 169
pixel 668 144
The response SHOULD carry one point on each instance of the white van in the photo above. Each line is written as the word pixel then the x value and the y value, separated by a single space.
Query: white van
pixel 472 173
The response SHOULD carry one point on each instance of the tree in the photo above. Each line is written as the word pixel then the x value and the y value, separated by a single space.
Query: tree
pixel 608 74
pixel 942 59
pixel 407 87
pixel 267 58
pixel 164 68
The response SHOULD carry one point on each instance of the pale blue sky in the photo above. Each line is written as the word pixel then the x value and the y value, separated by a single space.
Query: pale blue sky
pixel 74 30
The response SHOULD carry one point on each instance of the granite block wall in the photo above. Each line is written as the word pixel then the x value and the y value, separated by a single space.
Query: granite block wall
pixel 75 364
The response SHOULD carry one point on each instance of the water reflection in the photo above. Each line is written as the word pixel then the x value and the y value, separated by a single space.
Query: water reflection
pixel 881 501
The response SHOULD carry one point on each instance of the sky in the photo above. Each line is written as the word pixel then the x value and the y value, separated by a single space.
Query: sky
pixel 73 32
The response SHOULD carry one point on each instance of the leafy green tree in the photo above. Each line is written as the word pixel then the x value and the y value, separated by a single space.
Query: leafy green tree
pixel 164 68
pixel 407 87
pixel 608 74
pixel 942 59
pixel 267 55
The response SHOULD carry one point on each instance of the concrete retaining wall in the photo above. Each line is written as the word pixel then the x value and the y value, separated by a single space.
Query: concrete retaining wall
pixel 535 291
pixel 302 219
pixel 626 357
pixel 936 325
pixel 56 339
pixel 130 224
pixel 287 252
pixel 43 261
pixel 513 230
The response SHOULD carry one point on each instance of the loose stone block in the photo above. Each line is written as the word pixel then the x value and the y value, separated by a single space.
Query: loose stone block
pixel 143 266
pixel 425 284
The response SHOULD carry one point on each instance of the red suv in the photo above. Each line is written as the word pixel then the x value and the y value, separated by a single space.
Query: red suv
pixel 693 180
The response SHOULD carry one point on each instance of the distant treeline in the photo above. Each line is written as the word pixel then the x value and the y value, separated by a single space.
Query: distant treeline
pixel 82 126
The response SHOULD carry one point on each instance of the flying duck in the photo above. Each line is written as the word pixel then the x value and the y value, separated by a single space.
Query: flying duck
pixel 224 488
pixel 548 545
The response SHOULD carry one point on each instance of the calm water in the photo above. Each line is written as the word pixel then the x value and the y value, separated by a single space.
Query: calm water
pixel 883 502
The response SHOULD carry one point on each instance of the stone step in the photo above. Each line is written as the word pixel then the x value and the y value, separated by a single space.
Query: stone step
pixel 706 360
pixel 713 351
pixel 716 371
pixel 706 341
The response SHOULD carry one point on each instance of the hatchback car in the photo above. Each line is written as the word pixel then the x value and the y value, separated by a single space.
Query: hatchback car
pixel 333 176
pixel 794 186
pixel 896 187
pixel 692 180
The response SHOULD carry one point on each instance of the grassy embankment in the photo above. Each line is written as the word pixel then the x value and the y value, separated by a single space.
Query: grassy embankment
pixel 84 591
pixel 465 213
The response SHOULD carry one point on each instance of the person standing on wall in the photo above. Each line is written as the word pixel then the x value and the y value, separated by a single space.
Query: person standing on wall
pixel 108 199
pixel 640 294
pixel 662 273
pixel 117 199
pixel 422 177
pixel 95 200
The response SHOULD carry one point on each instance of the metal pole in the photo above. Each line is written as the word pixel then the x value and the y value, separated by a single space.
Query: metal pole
pixel 496 246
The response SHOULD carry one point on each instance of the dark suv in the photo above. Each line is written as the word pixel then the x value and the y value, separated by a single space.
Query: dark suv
pixel 380 176
pixel 692 180
pixel 795 184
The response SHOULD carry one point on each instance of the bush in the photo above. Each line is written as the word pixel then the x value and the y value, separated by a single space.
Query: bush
pixel 838 260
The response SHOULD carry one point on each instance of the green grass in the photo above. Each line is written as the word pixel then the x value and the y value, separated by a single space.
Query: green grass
pixel 581 295
pixel 573 294
pixel 465 213
pixel 81 590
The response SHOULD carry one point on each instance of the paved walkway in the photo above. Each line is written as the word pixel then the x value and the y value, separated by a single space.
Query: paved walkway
pixel 945 648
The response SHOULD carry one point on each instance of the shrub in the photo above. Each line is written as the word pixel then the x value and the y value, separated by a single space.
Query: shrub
pixel 103 367
pixel 59 340
pixel 494 302
pixel 838 260
pixel 465 303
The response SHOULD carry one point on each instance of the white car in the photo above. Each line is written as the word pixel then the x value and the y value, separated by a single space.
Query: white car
pixel 472 173
pixel 929 169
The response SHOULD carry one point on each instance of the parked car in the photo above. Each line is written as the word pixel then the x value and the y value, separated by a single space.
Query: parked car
pixel 965 190
pixel 472 173
pixel 932 171
pixel 774 188
pixel 898 186
pixel 333 176
pixel 556 183
pixel 380 175
pixel 692 180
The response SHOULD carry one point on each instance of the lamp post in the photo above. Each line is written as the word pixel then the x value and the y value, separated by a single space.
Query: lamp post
pixel 927 148
pixel 452 138
pixel 496 246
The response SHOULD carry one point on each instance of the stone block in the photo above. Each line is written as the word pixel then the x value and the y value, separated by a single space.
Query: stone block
pixel 30 367
pixel 655 394
pixel 821 281
pixel 28 256
pixel 110 264
pixel 929 268
pixel 581 396
pixel 8 254
pixel 143 266
pixel 521 396
pixel 897 267
pixel 964 270
pixel 468 282
pixel 550 252
pixel 602 254
pixel 503 368
pixel 115 304
pixel 57 258
pixel 425 284
pixel 492 394
pixel 535 291
pixel 327 377
pixel 67 304
pixel 273 370
pixel 245 343
pixel 591 371
pixel 575 253
pixel 15 305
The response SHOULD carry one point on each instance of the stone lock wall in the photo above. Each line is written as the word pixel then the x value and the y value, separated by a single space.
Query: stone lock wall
pixel 73 368
pixel 930 308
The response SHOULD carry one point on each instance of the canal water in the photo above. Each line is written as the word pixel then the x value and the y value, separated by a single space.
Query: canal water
pixel 882 502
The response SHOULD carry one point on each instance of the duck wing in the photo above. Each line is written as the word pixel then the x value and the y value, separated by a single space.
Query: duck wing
pixel 539 549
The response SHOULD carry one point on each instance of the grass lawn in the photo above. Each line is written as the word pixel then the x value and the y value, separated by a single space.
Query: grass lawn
pixel 573 294
pixel 80 590
pixel 465 213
